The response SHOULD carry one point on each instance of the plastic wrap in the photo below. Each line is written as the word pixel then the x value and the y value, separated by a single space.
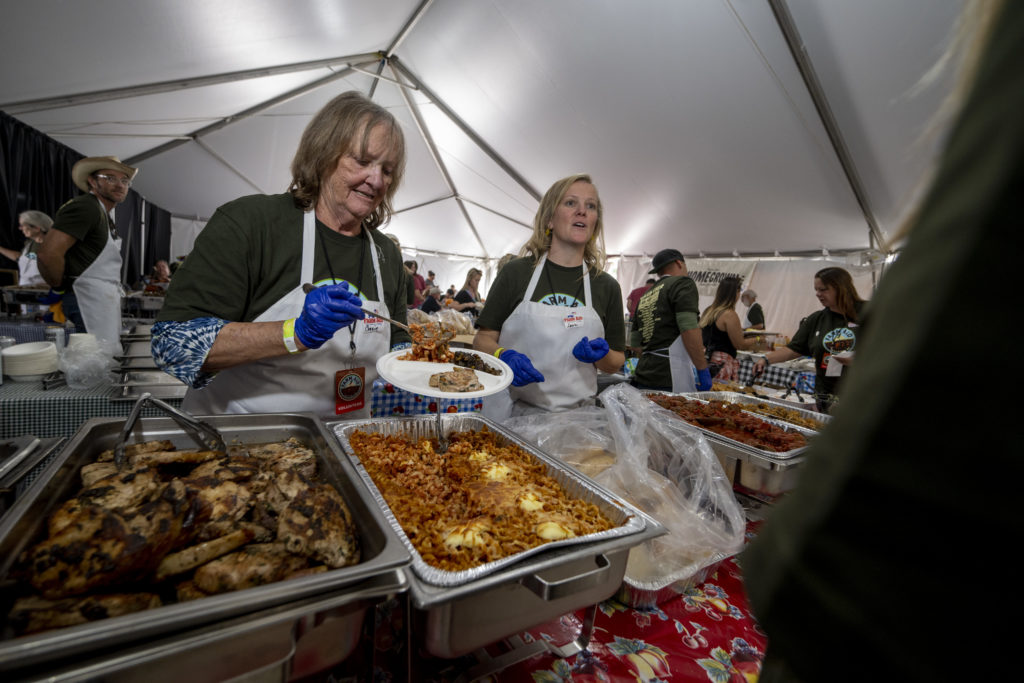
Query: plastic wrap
pixel 659 464
pixel 86 365
pixel 461 322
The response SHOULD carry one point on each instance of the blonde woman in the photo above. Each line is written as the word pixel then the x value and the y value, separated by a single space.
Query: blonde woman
pixel 468 298
pixel 553 314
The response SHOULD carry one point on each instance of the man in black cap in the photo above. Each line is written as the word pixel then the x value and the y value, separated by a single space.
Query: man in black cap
pixel 81 254
pixel 666 330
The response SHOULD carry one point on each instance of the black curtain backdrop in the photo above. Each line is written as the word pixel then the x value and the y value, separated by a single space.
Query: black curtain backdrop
pixel 35 173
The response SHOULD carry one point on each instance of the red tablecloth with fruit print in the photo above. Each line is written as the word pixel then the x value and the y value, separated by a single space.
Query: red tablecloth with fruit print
pixel 704 634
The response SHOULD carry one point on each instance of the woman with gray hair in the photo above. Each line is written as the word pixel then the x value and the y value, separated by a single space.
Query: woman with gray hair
pixel 34 225
pixel 266 314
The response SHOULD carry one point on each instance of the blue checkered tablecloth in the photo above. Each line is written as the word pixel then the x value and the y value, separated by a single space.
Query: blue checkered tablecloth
pixel 389 401
pixel 26 408
pixel 773 376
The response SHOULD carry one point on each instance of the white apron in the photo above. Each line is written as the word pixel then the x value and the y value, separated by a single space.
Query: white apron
pixel 28 269
pixel 546 335
pixel 680 366
pixel 98 290
pixel 301 382
pixel 746 320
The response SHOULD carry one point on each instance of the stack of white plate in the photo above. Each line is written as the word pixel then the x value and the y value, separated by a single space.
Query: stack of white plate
pixel 31 361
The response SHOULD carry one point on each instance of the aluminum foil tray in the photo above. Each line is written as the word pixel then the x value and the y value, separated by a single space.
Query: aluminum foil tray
pixel 745 452
pixel 744 399
pixel 25 522
pixel 629 520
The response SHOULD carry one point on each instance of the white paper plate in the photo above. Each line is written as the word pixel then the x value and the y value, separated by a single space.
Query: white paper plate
pixel 414 375
pixel 29 349
pixel 25 378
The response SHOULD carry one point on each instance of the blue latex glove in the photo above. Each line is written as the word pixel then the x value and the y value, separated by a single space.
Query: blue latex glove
pixel 325 311
pixel 523 372
pixel 704 380
pixel 50 297
pixel 590 351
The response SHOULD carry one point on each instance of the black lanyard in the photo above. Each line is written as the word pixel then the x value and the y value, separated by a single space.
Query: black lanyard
pixel 359 282
pixel 551 283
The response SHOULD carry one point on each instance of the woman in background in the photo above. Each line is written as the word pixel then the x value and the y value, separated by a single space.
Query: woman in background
pixel 554 315
pixel 824 334
pixel 722 332
pixel 34 225
pixel 468 298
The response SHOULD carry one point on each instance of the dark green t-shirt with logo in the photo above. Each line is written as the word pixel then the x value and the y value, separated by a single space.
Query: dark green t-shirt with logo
pixel 667 309
pixel 557 286
pixel 249 256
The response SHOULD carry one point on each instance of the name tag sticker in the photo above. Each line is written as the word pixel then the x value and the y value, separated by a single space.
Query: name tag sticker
pixel 572 320
pixel 374 324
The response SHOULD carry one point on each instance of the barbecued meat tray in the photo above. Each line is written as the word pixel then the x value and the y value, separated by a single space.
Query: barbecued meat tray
pixel 97 554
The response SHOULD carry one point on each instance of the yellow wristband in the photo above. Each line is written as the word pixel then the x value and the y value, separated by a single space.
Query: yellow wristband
pixel 497 352
pixel 288 332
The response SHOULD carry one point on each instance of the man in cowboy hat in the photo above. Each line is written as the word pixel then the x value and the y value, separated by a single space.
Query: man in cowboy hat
pixel 667 332
pixel 81 255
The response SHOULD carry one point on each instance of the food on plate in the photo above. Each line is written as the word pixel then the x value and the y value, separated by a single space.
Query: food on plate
pixel 472 360
pixel 430 343
pixel 729 420
pixel 456 380
pixel 178 525
pixel 480 501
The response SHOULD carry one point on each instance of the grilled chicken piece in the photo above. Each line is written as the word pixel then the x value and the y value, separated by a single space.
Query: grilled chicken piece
pixel 119 491
pixel 100 547
pixel 290 454
pixel 230 468
pixel 456 380
pixel 154 458
pixel 220 500
pixel 283 488
pixel 212 530
pixel 318 524
pixel 95 471
pixel 188 590
pixel 193 556
pixel 34 614
pixel 136 448
pixel 254 565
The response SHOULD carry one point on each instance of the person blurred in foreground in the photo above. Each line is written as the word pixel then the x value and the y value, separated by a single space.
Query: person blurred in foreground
pixel 238 324
pixel 667 330
pixel 721 331
pixel 829 335
pixel 860 572
pixel 553 314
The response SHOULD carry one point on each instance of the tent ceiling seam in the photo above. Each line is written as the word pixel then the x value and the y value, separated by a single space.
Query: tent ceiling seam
pixel 96 96
pixel 795 43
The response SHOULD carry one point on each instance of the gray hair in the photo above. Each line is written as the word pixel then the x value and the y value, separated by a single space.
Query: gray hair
pixel 37 219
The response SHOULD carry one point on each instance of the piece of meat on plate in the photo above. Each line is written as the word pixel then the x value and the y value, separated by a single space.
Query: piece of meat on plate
pixel 457 380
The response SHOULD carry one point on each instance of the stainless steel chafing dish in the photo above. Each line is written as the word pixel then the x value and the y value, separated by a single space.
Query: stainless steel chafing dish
pixel 463 611
pixel 743 400
pixel 382 551
pixel 758 470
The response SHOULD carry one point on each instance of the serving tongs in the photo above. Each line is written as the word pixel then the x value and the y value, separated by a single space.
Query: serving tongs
pixel 201 432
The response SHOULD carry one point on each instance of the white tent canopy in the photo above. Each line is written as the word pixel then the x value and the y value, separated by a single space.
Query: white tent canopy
pixel 745 127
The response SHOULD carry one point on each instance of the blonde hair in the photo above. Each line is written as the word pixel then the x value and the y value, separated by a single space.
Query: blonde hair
pixel 344 125
pixel 962 55
pixel 726 296
pixel 473 272
pixel 540 242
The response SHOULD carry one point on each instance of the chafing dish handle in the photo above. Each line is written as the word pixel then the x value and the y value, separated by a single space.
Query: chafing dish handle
pixel 554 590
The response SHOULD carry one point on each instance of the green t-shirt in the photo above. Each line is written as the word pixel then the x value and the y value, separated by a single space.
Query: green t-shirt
pixel 665 310
pixel 557 286
pixel 821 334
pixel 86 220
pixel 249 256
